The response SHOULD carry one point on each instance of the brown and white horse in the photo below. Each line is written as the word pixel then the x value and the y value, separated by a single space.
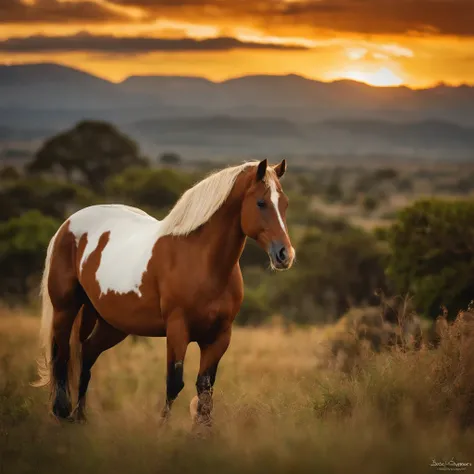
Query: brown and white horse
pixel 125 272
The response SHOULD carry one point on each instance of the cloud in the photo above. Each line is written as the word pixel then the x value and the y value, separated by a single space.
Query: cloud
pixel 54 11
pixel 86 42
pixel 439 17
pixel 388 17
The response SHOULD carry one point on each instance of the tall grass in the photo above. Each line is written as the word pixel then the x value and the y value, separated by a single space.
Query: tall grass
pixel 278 408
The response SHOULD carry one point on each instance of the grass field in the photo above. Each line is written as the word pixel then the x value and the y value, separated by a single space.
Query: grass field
pixel 278 408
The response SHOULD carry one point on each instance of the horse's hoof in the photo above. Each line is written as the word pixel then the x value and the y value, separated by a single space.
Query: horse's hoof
pixel 61 410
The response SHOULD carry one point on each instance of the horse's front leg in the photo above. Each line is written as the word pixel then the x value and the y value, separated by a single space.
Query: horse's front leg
pixel 177 340
pixel 211 354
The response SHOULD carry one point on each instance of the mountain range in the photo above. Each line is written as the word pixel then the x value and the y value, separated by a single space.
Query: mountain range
pixel 250 114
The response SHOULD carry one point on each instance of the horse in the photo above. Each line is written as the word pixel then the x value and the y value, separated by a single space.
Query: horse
pixel 113 270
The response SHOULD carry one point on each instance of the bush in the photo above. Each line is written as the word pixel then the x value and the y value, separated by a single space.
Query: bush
pixel 335 270
pixel 404 386
pixel 53 198
pixel 156 188
pixel 254 309
pixel 23 244
pixel 432 255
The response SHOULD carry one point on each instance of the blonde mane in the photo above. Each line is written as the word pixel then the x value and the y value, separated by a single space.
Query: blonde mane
pixel 197 205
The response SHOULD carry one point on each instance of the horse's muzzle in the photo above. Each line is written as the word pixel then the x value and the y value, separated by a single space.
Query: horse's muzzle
pixel 280 256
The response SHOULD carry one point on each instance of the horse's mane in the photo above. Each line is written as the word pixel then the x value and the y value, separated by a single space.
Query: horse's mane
pixel 197 205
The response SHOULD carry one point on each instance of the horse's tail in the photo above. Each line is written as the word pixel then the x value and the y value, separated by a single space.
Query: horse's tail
pixel 46 331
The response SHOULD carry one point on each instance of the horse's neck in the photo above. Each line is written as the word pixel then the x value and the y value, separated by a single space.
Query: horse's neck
pixel 224 237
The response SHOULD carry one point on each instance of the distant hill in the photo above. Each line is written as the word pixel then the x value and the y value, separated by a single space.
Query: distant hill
pixel 55 87
pixel 249 114
pixel 229 135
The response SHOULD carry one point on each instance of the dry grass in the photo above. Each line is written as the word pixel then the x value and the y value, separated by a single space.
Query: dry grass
pixel 276 410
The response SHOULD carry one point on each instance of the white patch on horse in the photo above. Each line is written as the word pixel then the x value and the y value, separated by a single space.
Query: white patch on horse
pixel 275 197
pixel 125 257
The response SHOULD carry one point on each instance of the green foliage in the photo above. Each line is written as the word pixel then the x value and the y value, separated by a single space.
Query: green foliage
pixel 157 188
pixel 333 272
pixel 23 244
pixel 53 198
pixel 256 307
pixel 432 256
pixel 253 255
pixel 92 150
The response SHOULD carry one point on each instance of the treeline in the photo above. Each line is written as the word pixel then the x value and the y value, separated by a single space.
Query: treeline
pixel 428 252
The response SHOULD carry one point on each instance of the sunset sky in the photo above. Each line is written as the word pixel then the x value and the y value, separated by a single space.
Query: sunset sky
pixel 382 42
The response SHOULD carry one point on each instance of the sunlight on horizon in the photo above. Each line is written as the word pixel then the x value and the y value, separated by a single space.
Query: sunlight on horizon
pixel 382 77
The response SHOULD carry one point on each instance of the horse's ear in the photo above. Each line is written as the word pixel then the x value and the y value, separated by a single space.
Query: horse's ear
pixel 261 169
pixel 280 169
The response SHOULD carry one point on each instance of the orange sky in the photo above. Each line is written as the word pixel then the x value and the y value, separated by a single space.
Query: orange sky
pixel 381 42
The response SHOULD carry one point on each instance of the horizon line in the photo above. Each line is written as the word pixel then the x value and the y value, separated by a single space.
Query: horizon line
pixel 434 85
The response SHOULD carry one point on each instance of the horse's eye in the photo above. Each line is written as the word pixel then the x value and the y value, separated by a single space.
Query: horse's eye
pixel 261 203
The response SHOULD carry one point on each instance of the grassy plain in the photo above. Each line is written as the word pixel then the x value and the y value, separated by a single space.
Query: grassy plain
pixel 280 406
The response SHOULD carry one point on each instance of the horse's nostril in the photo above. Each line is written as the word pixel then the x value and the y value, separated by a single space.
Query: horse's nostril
pixel 282 255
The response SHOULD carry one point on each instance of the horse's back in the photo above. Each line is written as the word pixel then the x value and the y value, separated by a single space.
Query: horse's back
pixel 114 244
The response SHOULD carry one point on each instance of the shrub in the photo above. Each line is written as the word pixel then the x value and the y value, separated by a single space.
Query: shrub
pixel 405 386
pixel 23 244
pixel 254 309
pixel 432 254
pixel 51 197
pixel 335 270
pixel 156 188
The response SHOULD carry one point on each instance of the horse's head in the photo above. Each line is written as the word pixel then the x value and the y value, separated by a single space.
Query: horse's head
pixel 263 215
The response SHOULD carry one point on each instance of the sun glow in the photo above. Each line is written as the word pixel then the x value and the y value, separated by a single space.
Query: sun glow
pixel 383 77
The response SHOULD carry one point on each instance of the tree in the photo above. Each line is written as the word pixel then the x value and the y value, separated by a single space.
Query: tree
pixel 432 254
pixel 23 244
pixel 91 150
pixel 156 188
pixel 51 197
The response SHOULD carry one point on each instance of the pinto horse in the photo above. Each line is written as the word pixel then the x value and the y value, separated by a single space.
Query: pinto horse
pixel 113 270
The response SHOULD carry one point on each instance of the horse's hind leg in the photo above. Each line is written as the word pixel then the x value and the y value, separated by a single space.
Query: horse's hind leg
pixel 62 325
pixel 66 297
pixel 103 337
pixel 88 321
